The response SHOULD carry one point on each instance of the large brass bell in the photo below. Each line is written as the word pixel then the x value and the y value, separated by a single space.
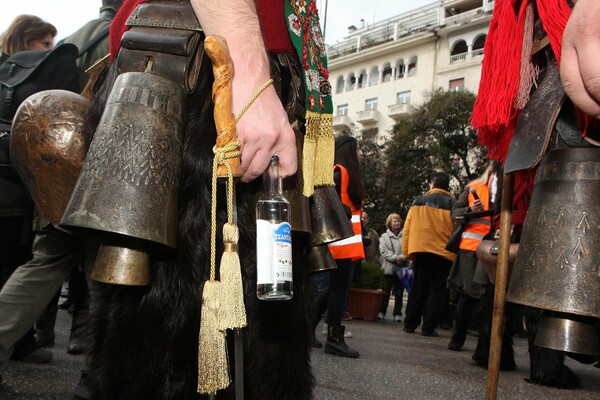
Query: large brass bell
pixel 558 260
pixel 327 217
pixel 127 189
pixel 320 259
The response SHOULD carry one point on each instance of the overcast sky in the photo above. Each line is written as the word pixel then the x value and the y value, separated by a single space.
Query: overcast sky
pixel 69 15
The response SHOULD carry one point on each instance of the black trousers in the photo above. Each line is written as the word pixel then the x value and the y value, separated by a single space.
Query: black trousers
pixel 333 299
pixel 392 285
pixel 464 311
pixel 428 298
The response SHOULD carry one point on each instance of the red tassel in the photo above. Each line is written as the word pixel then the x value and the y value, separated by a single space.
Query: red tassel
pixel 554 15
pixel 494 115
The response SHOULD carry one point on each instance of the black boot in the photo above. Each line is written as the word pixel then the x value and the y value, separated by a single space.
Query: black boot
pixel 336 344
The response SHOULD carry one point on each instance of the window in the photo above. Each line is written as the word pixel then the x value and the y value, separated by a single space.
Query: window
pixel 371 104
pixel 478 45
pixel 400 69
pixel 362 79
pixel 340 85
pixel 351 81
pixel 459 51
pixel 459 47
pixel 374 76
pixel 387 73
pixel 412 66
pixel 342 110
pixel 403 97
pixel 457 85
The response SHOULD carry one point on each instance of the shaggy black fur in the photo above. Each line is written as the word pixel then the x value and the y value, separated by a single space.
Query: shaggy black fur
pixel 546 366
pixel 145 339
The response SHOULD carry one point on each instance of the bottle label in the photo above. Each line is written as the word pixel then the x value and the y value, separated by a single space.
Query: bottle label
pixel 273 252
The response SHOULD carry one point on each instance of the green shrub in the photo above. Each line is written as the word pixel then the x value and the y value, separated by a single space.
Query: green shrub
pixel 372 275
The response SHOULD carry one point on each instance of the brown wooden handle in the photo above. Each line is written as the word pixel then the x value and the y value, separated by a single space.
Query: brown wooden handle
pixel 217 50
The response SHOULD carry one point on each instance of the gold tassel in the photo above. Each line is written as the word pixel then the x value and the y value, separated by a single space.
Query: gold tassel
pixel 325 156
pixel 213 370
pixel 233 311
pixel 309 153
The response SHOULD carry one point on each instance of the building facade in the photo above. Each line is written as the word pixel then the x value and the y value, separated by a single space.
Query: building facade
pixel 379 73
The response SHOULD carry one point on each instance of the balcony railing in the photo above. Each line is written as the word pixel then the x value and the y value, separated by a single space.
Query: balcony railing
pixel 367 116
pixel 464 56
pixel 341 122
pixel 396 111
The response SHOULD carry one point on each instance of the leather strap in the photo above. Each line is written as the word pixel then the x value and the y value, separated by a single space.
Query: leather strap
pixel 170 35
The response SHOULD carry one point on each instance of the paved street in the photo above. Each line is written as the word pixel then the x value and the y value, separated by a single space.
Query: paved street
pixel 393 365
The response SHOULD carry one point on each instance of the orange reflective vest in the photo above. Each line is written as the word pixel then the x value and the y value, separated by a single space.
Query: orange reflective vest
pixel 477 228
pixel 351 247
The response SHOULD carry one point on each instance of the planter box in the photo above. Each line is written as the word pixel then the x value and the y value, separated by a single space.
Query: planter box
pixel 365 303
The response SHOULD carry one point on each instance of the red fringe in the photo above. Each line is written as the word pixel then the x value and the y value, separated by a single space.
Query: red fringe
pixel 494 114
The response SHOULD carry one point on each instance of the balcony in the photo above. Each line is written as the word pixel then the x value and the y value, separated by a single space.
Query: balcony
pixel 341 122
pixel 396 111
pixel 367 117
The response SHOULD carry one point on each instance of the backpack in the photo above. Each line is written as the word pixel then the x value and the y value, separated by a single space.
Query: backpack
pixel 27 73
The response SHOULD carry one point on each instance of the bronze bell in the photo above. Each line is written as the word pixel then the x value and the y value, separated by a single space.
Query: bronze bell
pixel 48 148
pixel 487 255
pixel 127 189
pixel 557 266
pixel 320 259
pixel 327 217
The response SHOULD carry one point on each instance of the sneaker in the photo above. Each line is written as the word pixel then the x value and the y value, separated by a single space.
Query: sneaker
pixel 346 317
pixel 433 333
pixel 397 318
pixel 408 330
pixel 347 334
pixel 380 315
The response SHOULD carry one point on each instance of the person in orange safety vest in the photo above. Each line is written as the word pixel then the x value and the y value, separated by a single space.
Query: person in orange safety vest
pixel 480 195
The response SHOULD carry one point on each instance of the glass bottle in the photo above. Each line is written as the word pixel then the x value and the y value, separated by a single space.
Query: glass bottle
pixel 273 239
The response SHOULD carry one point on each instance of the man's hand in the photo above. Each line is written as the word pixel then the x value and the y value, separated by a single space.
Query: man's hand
pixel 580 59
pixel 264 129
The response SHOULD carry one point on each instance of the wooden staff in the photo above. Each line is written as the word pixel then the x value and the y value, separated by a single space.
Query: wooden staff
pixel 501 284
pixel 223 69
pixel 217 50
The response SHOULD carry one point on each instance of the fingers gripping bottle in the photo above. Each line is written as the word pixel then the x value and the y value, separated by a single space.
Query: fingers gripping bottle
pixel 273 239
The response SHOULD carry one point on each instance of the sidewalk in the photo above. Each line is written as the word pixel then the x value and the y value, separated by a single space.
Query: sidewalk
pixel 393 365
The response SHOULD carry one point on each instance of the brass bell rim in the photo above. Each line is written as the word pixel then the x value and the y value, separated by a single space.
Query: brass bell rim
pixel 566 332
pixel 122 264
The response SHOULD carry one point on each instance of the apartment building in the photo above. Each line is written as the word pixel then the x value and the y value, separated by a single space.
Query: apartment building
pixel 381 71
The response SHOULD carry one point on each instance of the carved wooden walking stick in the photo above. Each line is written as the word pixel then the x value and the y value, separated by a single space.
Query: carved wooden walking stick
pixel 501 284
pixel 222 301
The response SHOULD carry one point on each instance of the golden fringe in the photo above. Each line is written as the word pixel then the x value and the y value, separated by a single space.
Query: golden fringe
pixel 325 152
pixel 213 370
pixel 318 152
pixel 233 310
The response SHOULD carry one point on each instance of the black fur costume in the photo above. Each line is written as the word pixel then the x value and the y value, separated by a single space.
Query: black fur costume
pixel 145 339
pixel 546 366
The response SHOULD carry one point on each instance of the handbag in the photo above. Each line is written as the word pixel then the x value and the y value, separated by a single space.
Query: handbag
pixel 455 236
